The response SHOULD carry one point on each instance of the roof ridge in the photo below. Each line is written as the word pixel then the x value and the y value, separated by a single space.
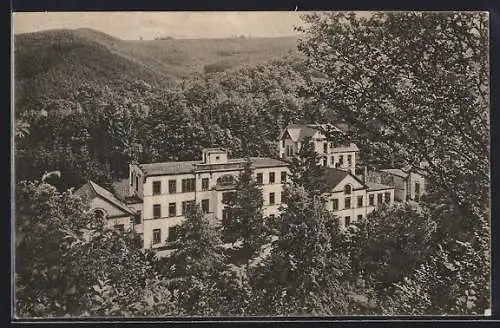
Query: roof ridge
pixel 117 202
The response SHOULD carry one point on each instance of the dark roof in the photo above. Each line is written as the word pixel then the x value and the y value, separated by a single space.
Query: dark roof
pixel 171 168
pixel 122 192
pixel 332 177
pixel 91 188
pixel 121 189
pixel 267 162
pixel 377 186
pixel 168 167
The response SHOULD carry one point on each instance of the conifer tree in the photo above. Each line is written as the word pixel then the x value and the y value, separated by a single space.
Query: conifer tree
pixel 245 220
pixel 306 170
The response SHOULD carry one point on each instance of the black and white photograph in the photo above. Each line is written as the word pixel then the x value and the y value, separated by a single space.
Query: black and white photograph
pixel 249 164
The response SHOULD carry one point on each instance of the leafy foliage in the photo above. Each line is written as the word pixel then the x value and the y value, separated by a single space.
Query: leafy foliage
pixel 245 220
pixel 68 263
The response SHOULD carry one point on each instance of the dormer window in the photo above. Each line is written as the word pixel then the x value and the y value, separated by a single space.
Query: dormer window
pixel 226 180
pixel 347 189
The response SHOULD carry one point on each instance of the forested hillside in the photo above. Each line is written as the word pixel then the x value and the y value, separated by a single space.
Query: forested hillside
pixel 53 63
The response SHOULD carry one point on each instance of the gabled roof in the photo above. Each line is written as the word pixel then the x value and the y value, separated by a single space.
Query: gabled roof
pixel 332 177
pixel 300 131
pixel 92 189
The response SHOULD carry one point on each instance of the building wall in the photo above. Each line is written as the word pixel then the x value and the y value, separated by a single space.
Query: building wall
pixel 338 193
pixel 214 197
pixel 412 180
pixel 399 184
pixel 136 188
pixel 116 215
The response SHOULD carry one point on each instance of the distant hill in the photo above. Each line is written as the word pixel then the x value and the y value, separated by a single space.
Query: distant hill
pixel 56 61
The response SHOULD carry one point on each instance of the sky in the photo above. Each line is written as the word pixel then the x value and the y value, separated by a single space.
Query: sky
pixel 179 25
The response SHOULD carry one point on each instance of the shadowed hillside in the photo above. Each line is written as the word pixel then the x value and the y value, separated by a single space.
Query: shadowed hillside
pixel 57 61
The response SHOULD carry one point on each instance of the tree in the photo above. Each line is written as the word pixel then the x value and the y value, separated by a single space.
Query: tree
pixel 245 220
pixel 195 265
pixel 69 263
pixel 305 168
pixel 415 82
pixel 303 259
pixel 413 87
pixel 390 244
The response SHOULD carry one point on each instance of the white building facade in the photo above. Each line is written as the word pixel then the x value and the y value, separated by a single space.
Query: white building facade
pixel 340 156
pixel 154 199
pixel 166 189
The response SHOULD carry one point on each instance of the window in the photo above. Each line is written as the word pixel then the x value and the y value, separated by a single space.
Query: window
pixel 225 215
pixel 360 217
pixel 387 197
pixel 347 202
pixel 331 144
pixel 347 189
pixel 349 160
pixel 137 218
pixel 283 177
pixel 417 191
pixel 156 187
pixel 120 227
pixel 186 205
pixel 325 161
pixel 188 185
pixel 172 186
pixel 332 160
pixel 217 158
pixel 271 177
pixel 173 233
pixel 157 210
pixel 205 205
pixel 271 198
pixel 131 178
pixel 226 197
pixel 335 204
pixel 204 184
pixel 379 199
pixel 99 214
pixel 347 221
pixel 341 160
pixel 156 236
pixel 360 201
pixel 136 183
pixel 371 200
pixel 172 210
pixel 259 178
pixel 283 143
pixel 283 197
pixel 325 147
